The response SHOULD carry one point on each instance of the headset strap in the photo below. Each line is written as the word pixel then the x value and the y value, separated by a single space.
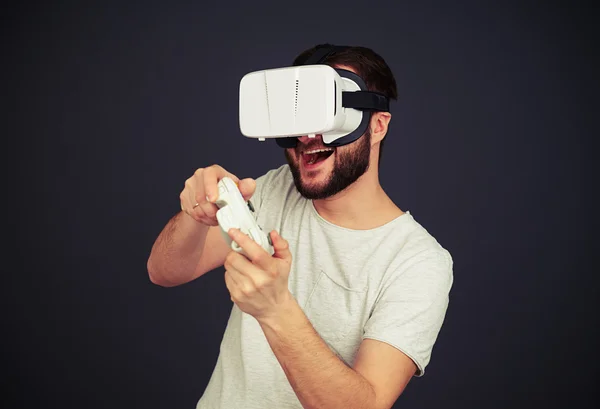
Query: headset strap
pixel 365 101
pixel 322 53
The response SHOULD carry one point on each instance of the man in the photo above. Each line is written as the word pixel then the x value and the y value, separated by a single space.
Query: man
pixel 347 309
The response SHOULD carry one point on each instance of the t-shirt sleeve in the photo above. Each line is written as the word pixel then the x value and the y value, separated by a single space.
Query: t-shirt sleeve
pixel 412 306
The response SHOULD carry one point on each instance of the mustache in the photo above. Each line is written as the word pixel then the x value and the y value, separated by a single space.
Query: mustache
pixel 310 146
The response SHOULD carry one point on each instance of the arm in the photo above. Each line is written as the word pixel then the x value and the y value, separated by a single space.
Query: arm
pixel 321 380
pixel 259 287
pixel 191 243
pixel 185 250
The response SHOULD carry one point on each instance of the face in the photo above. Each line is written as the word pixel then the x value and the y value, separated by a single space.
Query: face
pixel 317 177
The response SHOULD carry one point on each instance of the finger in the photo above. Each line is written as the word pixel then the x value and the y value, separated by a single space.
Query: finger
pixel 242 264
pixel 209 222
pixel 243 283
pixel 231 285
pixel 280 246
pixel 198 208
pixel 191 201
pixel 182 203
pixel 184 196
pixel 211 177
pixel 206 209
pixel 201 206
pixel 247 187
pixel 256 254
pixel 210 184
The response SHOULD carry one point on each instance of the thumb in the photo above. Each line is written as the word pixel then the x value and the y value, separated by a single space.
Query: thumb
pixel 247 187
pixel 281 246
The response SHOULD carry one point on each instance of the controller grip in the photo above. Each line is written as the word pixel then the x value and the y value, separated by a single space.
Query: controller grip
pixel 235 213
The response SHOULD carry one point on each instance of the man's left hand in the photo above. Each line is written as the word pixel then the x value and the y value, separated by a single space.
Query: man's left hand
pixel 258 284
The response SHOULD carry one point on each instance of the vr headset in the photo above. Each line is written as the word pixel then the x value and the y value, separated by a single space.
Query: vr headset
pixel 307 100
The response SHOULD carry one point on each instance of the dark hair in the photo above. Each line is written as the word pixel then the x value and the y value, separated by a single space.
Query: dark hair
pixel 369 65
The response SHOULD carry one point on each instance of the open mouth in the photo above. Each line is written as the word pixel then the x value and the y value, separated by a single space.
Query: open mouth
pixel 316 156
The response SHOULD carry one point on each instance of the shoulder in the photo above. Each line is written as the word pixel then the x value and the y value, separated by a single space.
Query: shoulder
pixel 420 242
pixel 420 256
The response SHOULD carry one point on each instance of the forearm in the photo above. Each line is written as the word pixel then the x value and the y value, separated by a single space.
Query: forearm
pixel 176 251
pixel 319 378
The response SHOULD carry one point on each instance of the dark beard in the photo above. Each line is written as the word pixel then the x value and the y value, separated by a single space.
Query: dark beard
pixel 347 168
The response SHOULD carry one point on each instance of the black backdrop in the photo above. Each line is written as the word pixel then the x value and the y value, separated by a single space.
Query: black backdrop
pixel 109 107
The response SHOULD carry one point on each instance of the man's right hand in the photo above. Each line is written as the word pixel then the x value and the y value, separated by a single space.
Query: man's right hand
pixel 201 191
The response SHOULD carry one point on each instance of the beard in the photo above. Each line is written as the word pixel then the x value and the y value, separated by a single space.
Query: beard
pixel 349 165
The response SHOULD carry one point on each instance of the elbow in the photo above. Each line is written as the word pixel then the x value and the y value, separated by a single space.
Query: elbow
pixel 154 276
pixel 164 275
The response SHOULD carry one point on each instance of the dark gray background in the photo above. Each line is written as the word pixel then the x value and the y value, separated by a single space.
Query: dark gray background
pixel 109 108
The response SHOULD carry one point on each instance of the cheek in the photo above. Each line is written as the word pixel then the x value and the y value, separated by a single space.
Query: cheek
pixel 340 153
pixel 290 153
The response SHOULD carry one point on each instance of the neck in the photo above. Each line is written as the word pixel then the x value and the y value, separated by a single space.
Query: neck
pixel 363 205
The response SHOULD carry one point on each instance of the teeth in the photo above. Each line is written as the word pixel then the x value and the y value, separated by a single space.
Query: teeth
pixel 318 150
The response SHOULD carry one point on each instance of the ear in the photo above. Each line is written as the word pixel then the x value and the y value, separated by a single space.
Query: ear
pixel 379 126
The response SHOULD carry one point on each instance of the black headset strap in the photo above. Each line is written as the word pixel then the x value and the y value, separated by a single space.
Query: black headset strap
pixel 322 53
pixel 365 101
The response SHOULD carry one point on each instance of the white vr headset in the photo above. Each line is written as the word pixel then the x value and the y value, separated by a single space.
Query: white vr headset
pixel 310 99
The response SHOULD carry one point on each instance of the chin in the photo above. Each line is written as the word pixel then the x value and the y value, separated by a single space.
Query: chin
pixel 313 184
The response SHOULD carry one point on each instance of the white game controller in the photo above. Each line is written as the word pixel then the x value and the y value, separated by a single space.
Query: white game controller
pixel 235 212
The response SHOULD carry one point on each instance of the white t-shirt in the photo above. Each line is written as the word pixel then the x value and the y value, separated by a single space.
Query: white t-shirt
pixel 391 284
